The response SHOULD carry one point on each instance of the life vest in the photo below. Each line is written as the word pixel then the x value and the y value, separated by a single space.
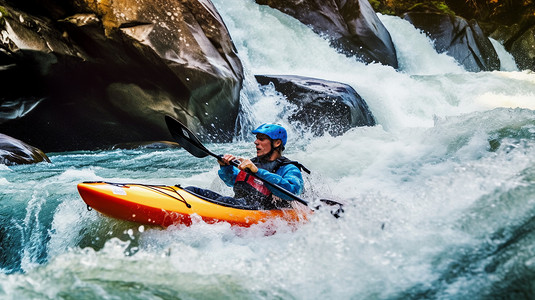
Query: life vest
pixel 254 191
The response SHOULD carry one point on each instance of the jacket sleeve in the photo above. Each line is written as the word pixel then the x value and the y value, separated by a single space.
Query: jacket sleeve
pixel 228 174
pixel 288 177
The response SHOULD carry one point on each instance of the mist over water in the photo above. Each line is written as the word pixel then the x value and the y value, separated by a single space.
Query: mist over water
pixel 440 195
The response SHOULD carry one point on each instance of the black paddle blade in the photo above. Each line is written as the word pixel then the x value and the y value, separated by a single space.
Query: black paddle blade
pixel 186 138
pixel 337 208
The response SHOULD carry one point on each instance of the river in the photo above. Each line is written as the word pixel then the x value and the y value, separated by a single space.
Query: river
pixel 440 195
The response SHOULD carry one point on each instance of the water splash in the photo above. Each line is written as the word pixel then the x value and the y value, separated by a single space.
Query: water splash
pixel 439 195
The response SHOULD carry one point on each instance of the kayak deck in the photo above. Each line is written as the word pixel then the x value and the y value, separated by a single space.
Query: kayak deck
pixel 167 205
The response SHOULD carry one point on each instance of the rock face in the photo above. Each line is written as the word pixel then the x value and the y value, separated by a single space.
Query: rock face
pixel 90 73
pixel 15 152
pixel 352 26
pixel 323 106
pixel 523 49
pixel 510 22
pixel 461 39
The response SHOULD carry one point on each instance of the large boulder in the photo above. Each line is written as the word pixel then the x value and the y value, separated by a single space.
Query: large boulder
pixel 352 26
pixel 16 152
pixel 322 105
pixel 463 40
pixel 89 73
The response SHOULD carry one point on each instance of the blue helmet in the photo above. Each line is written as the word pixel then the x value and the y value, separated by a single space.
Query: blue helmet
pixel 274 131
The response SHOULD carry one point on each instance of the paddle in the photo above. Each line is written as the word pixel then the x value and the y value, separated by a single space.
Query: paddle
pixel 189 141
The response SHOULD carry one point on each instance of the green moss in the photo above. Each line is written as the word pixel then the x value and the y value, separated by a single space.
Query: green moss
pixel 380 7
pixel 396 7
pixel 4 13
pixel 443 7
pixel 434 6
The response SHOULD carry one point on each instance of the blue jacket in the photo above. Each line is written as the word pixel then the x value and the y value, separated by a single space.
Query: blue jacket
pixel 287 176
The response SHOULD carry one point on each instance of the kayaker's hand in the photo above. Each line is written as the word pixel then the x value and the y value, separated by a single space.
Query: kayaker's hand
pixel 226 159
pixel 247 164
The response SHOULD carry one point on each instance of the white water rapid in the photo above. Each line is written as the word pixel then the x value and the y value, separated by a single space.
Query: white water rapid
pixel 439 195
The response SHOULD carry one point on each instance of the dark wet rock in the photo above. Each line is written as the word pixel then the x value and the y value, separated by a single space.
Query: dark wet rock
pixel 518 39
pixel 523 49
pixel 352 26
pixel 86 74
pixel 322 105
pixel 510 22
pixel 463 40
pixel 16 152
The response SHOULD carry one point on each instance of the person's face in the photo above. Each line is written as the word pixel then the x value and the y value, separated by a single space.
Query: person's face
pixel 263 144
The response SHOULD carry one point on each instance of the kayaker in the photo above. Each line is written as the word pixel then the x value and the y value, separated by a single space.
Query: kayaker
pixel 269 164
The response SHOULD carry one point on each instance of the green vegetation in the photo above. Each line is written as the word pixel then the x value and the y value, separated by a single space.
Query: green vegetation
pixel 3 14
pixel 498 11
pixel 501 11
pixel 392 7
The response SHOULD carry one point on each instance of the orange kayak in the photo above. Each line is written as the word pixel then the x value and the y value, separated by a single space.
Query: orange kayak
pixel 167 205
